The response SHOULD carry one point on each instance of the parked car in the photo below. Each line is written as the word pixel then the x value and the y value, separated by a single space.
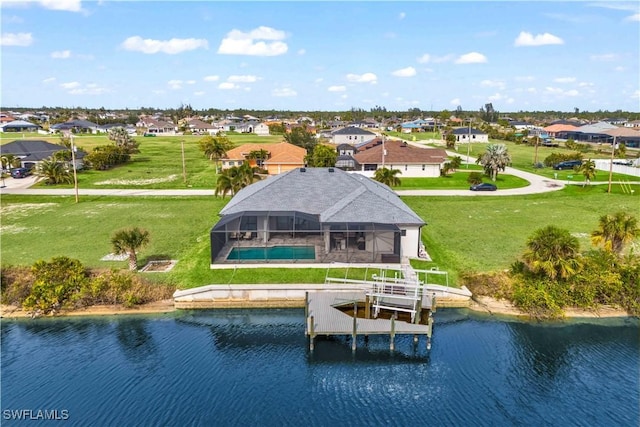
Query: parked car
pixel 485 186
pixel 623 162
pixel 20 172
pixel 569 164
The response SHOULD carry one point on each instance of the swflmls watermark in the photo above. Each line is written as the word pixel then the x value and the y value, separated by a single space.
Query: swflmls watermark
pixel 35 414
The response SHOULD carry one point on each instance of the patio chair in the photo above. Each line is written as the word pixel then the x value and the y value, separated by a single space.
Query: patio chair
pixel 248 235
pixel 233 235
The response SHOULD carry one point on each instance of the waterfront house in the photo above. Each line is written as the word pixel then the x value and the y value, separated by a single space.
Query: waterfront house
pixel 326 214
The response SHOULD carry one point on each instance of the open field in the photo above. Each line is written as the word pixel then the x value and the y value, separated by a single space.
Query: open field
pixel 463 234
pixel 457 181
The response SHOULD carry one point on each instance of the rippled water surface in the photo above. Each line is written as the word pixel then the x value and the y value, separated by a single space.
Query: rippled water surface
pixel 252 367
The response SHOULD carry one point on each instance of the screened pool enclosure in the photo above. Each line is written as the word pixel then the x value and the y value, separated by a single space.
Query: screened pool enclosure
pixel 298 233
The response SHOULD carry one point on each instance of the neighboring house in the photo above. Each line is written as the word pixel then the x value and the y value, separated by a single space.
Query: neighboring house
pixel 5 118
pixel 518 125
pixel 197 126
pixel 32 152
pixel 555 129
pixel 156 126
pixel 629 137
pixel 335 216
pixel 632 124
pixel 19 126
pixel 282 157
pixel 466 134
pixel 411 161
pixel 345 160
pixel 76 126
pixel 261 129
pixel 595 132
pixel 351 135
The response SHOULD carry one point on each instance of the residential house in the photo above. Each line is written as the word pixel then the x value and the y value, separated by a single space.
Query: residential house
pixel 410 160
pixel 76 126
pixel 345 160
pixel 351 135
pixel 629 137
pixel 281 157
pixel 467 134
pixel 519 125
pixel 200 127
pixel 19 126
pixel 31 152
pixel 595 132
pixel 327 214
pixel 261 129
pixel 555 129
pixel 156 126
pixel 632 124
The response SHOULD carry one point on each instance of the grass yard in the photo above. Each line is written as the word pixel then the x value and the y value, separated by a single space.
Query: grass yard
pixel 158 165
pixel 457 181
pixel 463 233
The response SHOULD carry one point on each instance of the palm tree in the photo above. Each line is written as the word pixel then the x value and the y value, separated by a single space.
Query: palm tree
pixel 615 231
pixel 456 162
pixel 9 161
pixel 128 242
pixel 388 176
pixel 495 159
pixel 259 156
pixel 588 170
pixel 54 172
pixel 553 252
pixel 215 148
pixel 246 176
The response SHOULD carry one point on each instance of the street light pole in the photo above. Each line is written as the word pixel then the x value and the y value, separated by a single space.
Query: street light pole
pixel 613 150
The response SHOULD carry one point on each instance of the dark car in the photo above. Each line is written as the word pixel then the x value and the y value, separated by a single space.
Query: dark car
pixel 20 173
pixel 485 186
pixel 569 164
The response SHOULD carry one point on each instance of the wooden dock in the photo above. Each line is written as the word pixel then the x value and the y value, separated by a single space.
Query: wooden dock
pixel 350 313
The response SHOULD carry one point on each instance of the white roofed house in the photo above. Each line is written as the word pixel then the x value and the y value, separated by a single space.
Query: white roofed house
pixel 315 215
pixel 261 129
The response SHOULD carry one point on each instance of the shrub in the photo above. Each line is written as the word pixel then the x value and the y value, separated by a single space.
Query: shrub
pixel 475 178
pixel 55 282
pixel 555 158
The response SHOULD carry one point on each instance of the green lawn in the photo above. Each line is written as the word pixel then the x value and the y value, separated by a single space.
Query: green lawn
pixel 457 181
pixel 158 165
pixel 462 233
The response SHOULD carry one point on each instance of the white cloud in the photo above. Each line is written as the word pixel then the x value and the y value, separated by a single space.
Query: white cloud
pixel 471 58
pixel 70 85
pixel 243 79
pixel 619 68
pixel 171 47
pixel 284 92
pixel 605 57
pixel 190 82
pixel 402 15
pixel 560 92
pixel 532 90
pixel 228 86
pixel 199 93
pixel 564 79
pixel 633 18
pixel 424 59
pixel 301 51
pixel 337 88
pixel 492 83
pixel 49 80
pixel 362 78
pixel 405 72
pixel 238 43
pixel 211 78
pixel 318 80
pixel 68 5
pixel 89 89
pixel 16 39
pixel 528 39
pixel 61 54
pixel 445 58
pixel 175 84
pixel 524 78
pixel 585 84
pixel 455 101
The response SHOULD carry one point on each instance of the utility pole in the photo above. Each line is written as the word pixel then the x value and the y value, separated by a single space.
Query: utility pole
pixel 384 151
pixel 184 167
pixel 73 161
pixel 468 143
pixel 613 150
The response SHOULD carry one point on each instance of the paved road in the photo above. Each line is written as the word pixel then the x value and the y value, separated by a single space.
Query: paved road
pixel 537 184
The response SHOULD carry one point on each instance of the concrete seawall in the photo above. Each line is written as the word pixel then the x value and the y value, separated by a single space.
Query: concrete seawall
pixel 290 295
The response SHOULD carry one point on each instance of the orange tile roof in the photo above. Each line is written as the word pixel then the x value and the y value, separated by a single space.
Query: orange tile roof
pixel 560 128
pixel 282 152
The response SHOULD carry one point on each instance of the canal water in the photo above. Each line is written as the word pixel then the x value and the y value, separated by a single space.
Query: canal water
pixel 253 368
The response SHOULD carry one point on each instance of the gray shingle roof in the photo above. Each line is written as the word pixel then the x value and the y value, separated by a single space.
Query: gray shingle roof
pixel 351 130
pixel 466 131
pixel 333 196
pixel 33 150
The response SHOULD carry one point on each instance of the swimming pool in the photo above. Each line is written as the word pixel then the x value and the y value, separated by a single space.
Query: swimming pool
pixel 273 252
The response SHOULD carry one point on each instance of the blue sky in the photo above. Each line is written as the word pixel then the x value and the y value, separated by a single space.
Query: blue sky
pixel 326 56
